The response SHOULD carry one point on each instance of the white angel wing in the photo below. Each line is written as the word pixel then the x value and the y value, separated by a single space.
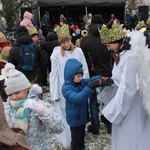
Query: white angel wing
pixel 142 55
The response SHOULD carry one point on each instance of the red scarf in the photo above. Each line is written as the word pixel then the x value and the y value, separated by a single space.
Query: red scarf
pixel 4 44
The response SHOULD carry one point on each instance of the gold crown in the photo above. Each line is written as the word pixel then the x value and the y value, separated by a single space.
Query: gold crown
pixel 3 58
pixel 142 24
pixel 148 21
pixel 62 31
pixel 111 35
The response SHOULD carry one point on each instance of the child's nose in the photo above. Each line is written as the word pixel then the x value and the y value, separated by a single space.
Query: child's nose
pixel 14 97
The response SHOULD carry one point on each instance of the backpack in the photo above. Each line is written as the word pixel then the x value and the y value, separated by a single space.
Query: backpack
pixel 28 57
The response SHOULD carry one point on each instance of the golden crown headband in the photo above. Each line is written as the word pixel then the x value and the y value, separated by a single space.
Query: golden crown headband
pixel 142 24
pixel 111 35
pixel 148 21
pixel 62 31
pixel 3 58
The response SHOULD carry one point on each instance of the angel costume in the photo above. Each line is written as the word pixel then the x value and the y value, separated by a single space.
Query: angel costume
pixel 142 54
pixel 125 110
pixel 56 81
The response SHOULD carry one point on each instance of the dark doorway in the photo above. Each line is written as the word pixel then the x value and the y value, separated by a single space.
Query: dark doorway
pixel 74 14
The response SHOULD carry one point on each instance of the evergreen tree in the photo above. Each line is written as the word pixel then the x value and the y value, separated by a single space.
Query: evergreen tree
pixel 11 10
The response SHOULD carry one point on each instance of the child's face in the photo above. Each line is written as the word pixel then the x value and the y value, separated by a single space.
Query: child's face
pixel 19 95
pixel 35 39
pixel 66 44
pixel 113 47
pixel 77 78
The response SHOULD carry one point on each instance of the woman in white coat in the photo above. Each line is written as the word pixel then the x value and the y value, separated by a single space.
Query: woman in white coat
pixel 125 110
pixel 60 55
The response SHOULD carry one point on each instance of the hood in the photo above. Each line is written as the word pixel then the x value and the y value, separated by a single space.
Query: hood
pixel 94 29
pixel 71 67
pixel 52 36
pixel 27 15
pixel 24 39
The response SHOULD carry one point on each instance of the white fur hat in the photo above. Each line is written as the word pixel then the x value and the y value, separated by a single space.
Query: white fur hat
pixel 15 80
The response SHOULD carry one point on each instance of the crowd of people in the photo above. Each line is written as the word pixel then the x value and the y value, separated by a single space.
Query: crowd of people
pixel 78 64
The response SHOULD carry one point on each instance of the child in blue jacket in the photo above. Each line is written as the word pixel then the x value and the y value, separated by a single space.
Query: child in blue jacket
pixel 76 92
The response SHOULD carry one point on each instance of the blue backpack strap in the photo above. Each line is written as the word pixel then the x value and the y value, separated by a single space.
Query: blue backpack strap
pixel 32 45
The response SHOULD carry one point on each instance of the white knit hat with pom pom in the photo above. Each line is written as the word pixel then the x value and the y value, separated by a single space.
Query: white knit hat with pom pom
pixel 15 80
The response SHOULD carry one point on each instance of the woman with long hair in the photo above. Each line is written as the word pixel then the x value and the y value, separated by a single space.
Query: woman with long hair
pixel 125 110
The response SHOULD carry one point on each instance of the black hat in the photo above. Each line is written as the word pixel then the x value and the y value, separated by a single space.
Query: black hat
pixel 97 19
pixel 35 34
pixel 21 31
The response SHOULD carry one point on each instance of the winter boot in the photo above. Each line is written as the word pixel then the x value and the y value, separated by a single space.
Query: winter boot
pixel 95 131
pixel 12 138
pixel 82 148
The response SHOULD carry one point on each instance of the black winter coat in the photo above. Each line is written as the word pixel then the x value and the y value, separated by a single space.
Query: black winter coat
pixel 98 58
pixel 14 58
pixel 51 42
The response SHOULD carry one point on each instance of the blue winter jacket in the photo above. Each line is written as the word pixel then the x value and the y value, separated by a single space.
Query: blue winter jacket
pixel 76 95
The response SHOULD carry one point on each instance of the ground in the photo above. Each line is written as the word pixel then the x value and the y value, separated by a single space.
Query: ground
pixel 92 142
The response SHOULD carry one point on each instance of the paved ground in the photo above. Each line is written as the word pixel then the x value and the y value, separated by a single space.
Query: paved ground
pixel 92 142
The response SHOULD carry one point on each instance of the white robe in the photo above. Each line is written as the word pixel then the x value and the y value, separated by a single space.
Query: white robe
pixel 56 81
pixel 125 110
pixel 145 140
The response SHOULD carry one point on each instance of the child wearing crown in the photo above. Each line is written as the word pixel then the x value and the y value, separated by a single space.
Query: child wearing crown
pixel 28 23
pixel 125 110
pixel 60 55
pixel 24 110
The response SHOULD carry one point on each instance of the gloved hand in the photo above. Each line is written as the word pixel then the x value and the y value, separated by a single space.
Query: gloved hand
pixel 33 105
pixel 101 82
pixel 105 81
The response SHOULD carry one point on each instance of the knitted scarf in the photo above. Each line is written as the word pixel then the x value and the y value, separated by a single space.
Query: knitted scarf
pixel 22 114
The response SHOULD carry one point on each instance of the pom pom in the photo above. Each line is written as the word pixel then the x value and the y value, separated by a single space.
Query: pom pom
pixel 9 66
pixel 5 70
pixel 61 23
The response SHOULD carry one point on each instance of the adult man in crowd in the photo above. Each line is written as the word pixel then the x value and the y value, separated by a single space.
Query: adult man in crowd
pixel 99 63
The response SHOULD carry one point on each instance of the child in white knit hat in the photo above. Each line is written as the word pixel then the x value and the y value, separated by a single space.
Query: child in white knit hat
pixel 23 109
